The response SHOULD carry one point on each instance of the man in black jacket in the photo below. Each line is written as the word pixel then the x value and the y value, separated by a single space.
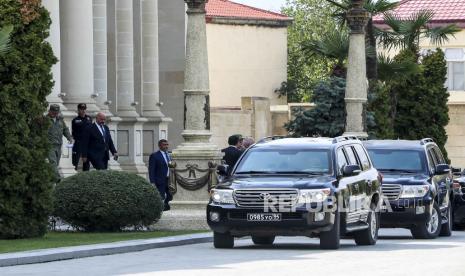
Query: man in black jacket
pixel 96 144
pixel 79 126
pixel 233 152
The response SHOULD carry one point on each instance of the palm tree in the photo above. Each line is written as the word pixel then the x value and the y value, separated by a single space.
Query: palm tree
pixel 406 33
pixel 374 7
pixel 5 38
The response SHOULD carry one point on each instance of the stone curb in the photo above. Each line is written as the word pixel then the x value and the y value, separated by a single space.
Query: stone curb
pixel 83 251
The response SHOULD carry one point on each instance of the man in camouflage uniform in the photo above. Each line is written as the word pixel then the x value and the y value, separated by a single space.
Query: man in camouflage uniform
pixel 57 130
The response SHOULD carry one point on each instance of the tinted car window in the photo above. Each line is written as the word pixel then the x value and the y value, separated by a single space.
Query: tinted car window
pixel 363 157
pixel 439 156
pixel 288 160
pixel 351 156
pixel 431 160
pixel 341 159
pixel 387 159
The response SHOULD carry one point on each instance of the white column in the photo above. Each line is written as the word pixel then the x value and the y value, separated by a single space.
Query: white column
pixel 125 58
pixel 53 7
pixel 77 53
pixel 157 126
pixel 130 131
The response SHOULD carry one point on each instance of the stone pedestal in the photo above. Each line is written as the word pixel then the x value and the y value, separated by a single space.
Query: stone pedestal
pixel 129 137
pixel 357 83
pixel 194 156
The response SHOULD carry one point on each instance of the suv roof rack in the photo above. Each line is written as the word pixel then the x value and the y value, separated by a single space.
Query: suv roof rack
pixel 426 140
pixel 344 138
pixel 271 138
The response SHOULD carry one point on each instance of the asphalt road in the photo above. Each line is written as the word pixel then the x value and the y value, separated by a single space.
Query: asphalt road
pixel 395 254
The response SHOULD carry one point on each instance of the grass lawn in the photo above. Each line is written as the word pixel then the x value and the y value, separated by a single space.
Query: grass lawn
pixel 62 239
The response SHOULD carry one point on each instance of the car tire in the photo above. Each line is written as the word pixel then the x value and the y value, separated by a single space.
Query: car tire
pixel 331 239
pixel 223 240
pixel 260 240
pixel 446 228
pixel 369 236
pixel 424 230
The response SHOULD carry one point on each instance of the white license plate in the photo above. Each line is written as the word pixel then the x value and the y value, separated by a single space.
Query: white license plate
pixel 263 217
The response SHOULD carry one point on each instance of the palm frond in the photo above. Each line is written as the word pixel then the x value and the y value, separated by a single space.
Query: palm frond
pixel 388 39
pixel 334 45
pixel 380 6
pixel 440 35
pixel 5 38
pixel 389 69
pixel 344 5
pixel 393 21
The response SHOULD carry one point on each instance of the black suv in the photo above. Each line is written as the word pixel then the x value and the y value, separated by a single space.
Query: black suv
pixel 416 186
pixel 315 187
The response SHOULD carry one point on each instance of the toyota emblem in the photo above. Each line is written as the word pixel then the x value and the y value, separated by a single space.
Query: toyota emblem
pixel 265 196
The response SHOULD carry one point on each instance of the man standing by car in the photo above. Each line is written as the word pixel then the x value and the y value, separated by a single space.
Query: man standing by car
pixel 56 131
pixel 233 152
pixel 79 126
pixel 159 171
pixel 97 142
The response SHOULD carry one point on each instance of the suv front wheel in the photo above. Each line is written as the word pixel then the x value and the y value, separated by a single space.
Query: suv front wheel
pixel 429 229
pixel 221 240
pixel 369 236
pixel 331 239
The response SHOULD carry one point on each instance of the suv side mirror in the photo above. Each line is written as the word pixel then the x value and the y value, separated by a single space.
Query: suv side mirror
pixel 442 169
pixel 351 170
pixel 456 171
pixel 222 170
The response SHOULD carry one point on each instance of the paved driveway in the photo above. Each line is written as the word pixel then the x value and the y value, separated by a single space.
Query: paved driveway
pixel 395 254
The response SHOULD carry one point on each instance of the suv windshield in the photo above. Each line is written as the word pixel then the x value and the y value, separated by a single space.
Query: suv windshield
pixel 296 161
pixel 397 160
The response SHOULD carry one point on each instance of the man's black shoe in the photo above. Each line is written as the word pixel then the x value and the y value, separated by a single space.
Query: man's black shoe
pixel 167 207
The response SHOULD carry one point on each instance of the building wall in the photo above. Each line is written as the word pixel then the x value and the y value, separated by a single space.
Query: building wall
pixel 171 20
pixel 245 61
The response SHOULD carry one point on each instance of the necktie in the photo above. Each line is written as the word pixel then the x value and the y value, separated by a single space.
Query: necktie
pixel 103 132
pixel 167 157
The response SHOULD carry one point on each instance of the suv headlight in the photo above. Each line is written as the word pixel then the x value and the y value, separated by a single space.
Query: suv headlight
pixel 222 196
pixel 313 196
pixel 414 191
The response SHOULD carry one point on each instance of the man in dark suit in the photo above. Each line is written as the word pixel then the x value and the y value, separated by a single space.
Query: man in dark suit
pixel 96 144
pixel 233 152
pixel 159 171
pixel 79 126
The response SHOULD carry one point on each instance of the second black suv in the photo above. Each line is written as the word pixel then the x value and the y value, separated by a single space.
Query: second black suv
pixel 315 187
pixel 416 186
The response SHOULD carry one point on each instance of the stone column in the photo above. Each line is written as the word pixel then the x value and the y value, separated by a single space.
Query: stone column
pixel 77 54
pixel 357 84
pixel 100 14
pixel 129 134
pixel 157 126
pixel 65 166
pixel 197 150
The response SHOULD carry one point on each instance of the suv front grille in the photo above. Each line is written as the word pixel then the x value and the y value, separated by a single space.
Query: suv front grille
pixel 391 191
pixel 257 198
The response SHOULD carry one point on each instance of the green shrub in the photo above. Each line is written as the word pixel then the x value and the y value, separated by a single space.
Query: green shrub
pixel 328 117
pixel 25 81
pixel 107 201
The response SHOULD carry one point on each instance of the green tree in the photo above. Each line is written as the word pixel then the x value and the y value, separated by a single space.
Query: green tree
pixel 406 33
pixel 25 81
pixel 421 108
pixel 312 20
pixel 5 38
pixel 374 7
pixel 328 117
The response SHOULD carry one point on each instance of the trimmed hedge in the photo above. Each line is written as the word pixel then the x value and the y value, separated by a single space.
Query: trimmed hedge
pixel 107 201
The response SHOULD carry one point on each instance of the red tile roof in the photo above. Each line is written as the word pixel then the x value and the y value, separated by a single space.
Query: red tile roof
pixel 445 11
pixel 232 10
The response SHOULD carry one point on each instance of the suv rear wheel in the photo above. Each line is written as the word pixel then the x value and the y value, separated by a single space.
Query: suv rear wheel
pixel 429 229
pixel 221 240
pixel 331 239
pixel 369 236
pixel 263 240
